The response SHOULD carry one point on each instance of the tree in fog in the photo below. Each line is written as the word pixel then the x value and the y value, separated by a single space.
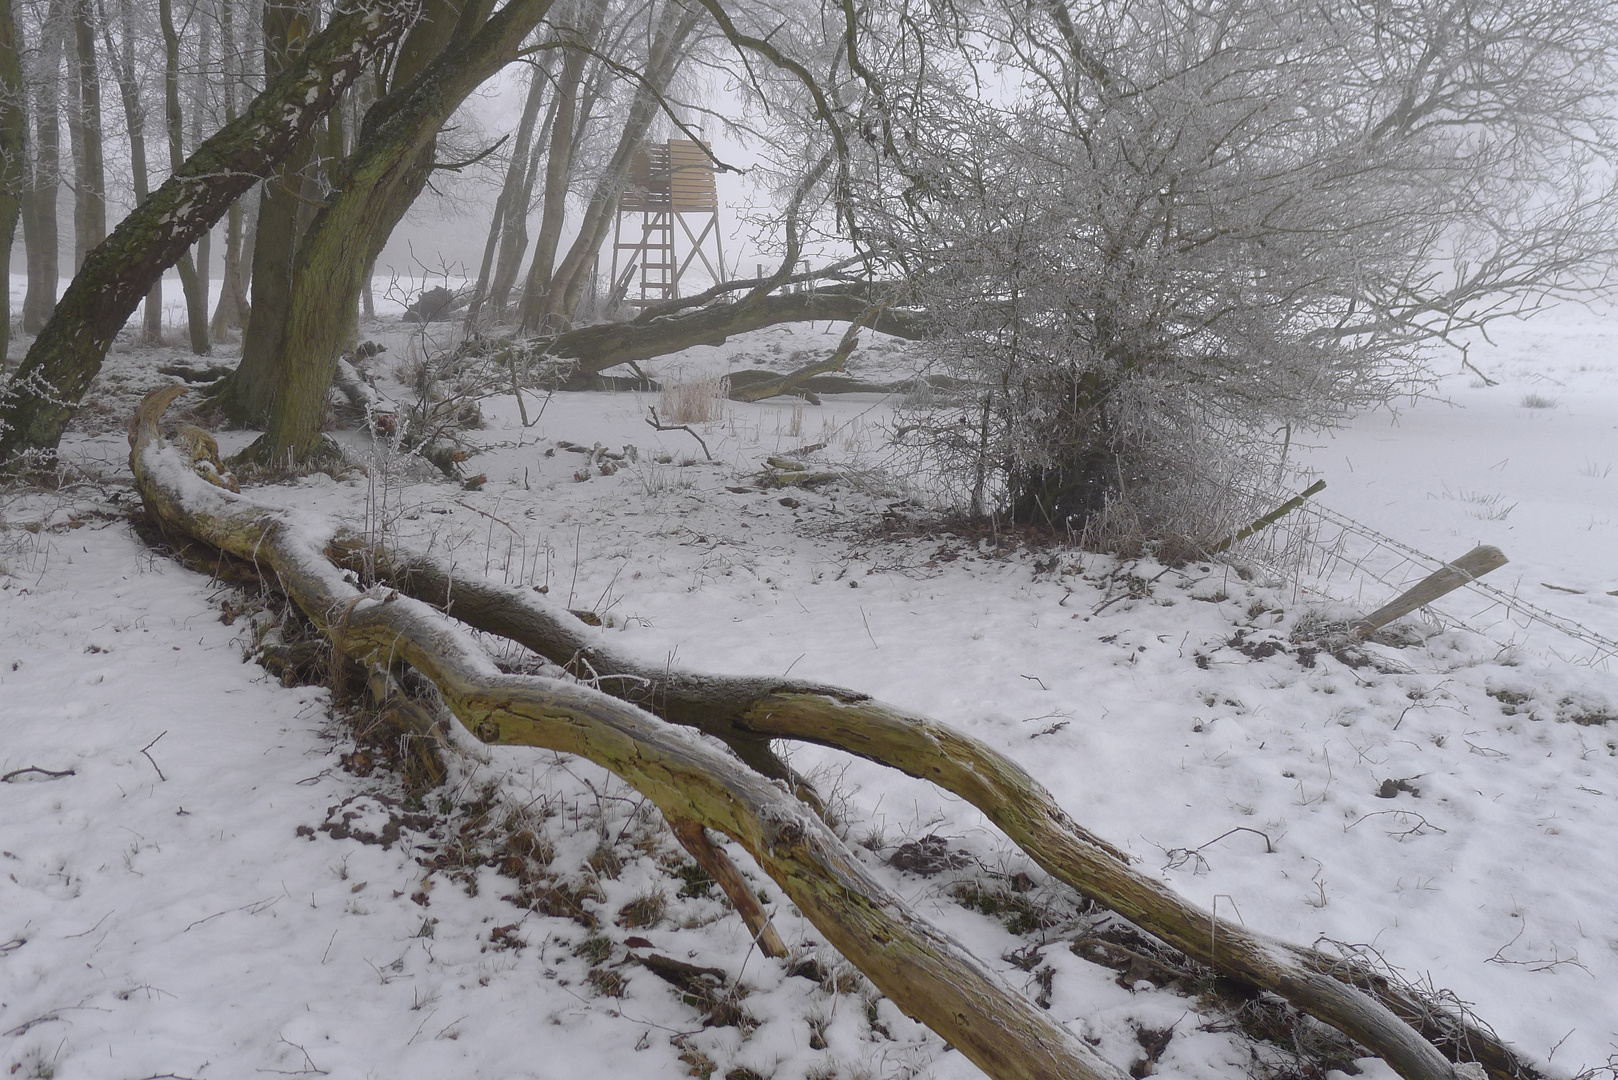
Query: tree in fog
pixel 1157 238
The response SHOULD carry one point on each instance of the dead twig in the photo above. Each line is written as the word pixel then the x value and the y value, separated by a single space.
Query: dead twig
pixel 660 426
pixel 1178 857
pixel 49 774
pixel 1421 822
pixel 148 757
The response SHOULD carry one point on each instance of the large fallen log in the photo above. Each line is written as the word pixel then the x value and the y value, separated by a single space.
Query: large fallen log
pixel 1392 1021
pixel 922 970
pixel 747 714
pixel 592 349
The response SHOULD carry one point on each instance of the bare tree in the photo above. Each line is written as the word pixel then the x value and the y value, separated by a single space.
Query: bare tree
pixel 194 287
pixel 550 298
pixel 122 57
pixel 89 172
pixel 508 224
pixel 42 395
pixel 1184 231
pixel 232 306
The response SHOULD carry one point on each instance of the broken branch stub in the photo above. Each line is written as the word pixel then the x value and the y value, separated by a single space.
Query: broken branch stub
pixel 923 971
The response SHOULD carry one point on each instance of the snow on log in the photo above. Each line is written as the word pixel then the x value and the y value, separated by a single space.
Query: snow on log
pixel 923 971
pixel 1392 1021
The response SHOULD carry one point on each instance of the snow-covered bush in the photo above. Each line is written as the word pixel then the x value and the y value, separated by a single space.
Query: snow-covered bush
pixel 1159 238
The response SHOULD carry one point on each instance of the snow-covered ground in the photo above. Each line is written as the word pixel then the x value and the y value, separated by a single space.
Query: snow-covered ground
pixel 198 876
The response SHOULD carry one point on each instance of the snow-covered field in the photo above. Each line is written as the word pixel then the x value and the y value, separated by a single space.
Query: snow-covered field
pixel 198 877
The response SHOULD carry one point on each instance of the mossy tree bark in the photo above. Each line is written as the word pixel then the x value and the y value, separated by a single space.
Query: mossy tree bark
pixel 923 971
pixel 247 392
pixel 374 187
pixel 286 211
pixel 45 391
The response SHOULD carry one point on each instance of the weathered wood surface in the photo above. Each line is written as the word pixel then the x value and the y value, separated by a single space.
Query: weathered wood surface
pixel 1451 576
pixel 746 713
pixel 921 969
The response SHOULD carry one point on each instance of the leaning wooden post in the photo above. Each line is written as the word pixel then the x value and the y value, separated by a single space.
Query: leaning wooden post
pixel 1451 576
pixel 1271 518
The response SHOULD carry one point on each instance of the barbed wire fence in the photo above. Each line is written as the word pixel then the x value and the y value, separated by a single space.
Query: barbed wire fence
pixel 1325 555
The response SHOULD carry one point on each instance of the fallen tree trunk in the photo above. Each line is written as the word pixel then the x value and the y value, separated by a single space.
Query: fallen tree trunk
pixel 922 970
pixel 592 349
pixel 744 384
pixel 794 380
pixel 1392 1021
pixel 747 714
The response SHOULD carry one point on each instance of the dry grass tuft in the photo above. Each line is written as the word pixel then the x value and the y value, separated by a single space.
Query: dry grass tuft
pixel 697 402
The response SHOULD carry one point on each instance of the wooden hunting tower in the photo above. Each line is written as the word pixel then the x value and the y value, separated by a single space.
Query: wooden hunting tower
pixel 669 185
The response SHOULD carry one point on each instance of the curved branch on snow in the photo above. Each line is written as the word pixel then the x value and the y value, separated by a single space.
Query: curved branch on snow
pixel 1389 1020
pixel 696 786
pixel 922 970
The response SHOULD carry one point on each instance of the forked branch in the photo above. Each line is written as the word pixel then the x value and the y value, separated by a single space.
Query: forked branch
pixel 922 970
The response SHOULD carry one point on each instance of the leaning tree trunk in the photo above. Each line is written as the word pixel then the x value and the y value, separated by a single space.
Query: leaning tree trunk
pixel 13 145
pixel 45 391
pixel 374 188
pixel 922 970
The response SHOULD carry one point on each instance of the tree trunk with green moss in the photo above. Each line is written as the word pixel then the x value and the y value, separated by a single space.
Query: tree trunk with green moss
pixel 44 393
pixel 286 212
pixel 374 188
pixel 246 394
